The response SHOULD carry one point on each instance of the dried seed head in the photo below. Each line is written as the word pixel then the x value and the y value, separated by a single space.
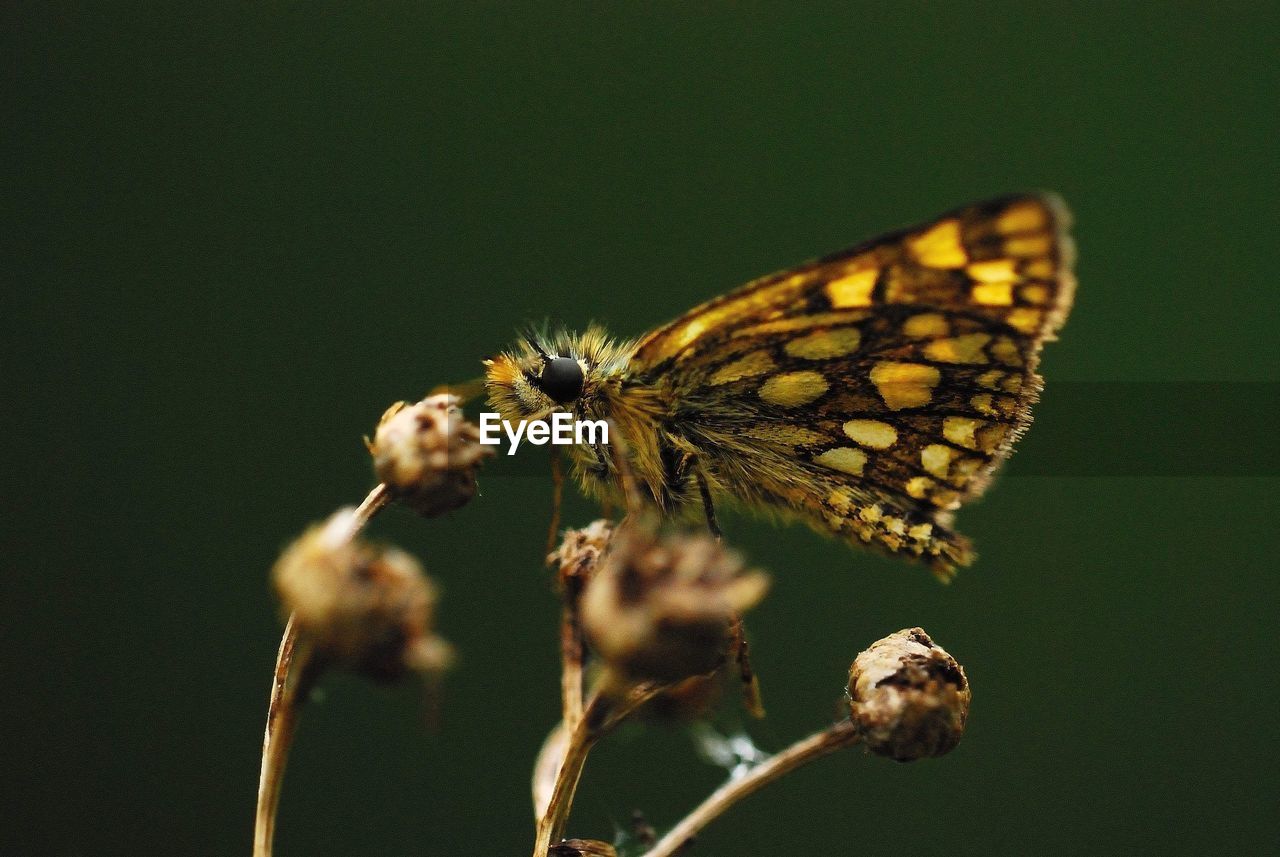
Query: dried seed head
pixel 428 455
pixel 662 609
pixel 367 608
pixel 580 551
pixel 582 848
pixel 908 697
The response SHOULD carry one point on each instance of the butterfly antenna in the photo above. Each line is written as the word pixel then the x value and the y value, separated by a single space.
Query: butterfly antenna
pixel 466 391
pixel 531 339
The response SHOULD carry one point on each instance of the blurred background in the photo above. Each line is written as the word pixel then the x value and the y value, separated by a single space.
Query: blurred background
pixel 233 233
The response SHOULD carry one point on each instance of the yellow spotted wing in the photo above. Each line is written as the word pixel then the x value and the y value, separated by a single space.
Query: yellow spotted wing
pixel 872 391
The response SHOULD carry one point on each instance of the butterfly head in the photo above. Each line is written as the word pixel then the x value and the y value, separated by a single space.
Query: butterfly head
pixel 544 374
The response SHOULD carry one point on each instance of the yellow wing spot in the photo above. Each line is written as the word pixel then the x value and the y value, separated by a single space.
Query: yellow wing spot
pixel 905 385
pixel 897 526
pixel 804 322
pixel 841 500
pixel 993 294
pixel 926 324
pixel 1006 351
pixel 990 437
pixel 1028 245
pixel 1024 318
pixel 846 459
pixel 1027 216
pixel 919 487
pixel 793 388
pixel 871 433
pixel 990 380
pixel 921 532
pixel 982 404
pixel 959 430
pixel 870 514
pixel 1012 384
pixel 993 271
pixel 853 290
pixel 825 344
pixel 755 363
pixel 959 349
pixel 785 435
pixel 945 499
pixel 939 246
pixel 1042 268
pixel 965 467
pixel 936 459
pixel 1034 294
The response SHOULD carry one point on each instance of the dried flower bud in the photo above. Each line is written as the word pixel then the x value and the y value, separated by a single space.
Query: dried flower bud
pixel 663 609
pixel 366 608
pixel 582 848
pixel 908 697
pixel 428 455
pixel 580 551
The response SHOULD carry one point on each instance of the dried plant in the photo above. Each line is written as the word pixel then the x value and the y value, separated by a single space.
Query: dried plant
pixel 651 620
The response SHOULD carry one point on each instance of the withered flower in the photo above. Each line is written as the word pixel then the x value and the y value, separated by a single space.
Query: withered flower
pixel 428 455
pixel 662 609
pixel 366 608
pixel 908 698
pixel 580 551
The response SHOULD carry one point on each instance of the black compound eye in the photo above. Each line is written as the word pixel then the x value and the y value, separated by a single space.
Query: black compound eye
pixel 562 379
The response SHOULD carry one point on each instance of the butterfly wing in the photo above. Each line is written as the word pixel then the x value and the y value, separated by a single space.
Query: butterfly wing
pixel 874 390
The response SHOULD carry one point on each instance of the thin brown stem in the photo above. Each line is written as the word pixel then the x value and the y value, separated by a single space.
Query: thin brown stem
pixel 572 653
pixel 581 740
pixel 836 737
pixel 295 672
pixel 604 711
pixel 282 720
pixel 572 647
pixel 375 502
pixel 546 768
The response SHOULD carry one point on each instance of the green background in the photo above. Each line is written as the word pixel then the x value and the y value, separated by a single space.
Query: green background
pixel 233 234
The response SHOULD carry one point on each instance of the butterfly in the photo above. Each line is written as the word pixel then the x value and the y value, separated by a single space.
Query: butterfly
pixel 868 393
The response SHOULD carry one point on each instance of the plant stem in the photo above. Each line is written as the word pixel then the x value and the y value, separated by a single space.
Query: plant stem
pixel 571 670
pixel 374 503
pixel 581 740
pixel 572 655
pixel 282 719
pixel 606 708
pixel 546 768
pixel 836 737
pixel 295 673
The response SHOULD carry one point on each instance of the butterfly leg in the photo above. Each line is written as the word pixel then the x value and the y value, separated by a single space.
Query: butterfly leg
pixel 557 496
pixel 626 478
pixel 707 506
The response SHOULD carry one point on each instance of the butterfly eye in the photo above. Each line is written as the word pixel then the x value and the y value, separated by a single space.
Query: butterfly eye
pixel 562 379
